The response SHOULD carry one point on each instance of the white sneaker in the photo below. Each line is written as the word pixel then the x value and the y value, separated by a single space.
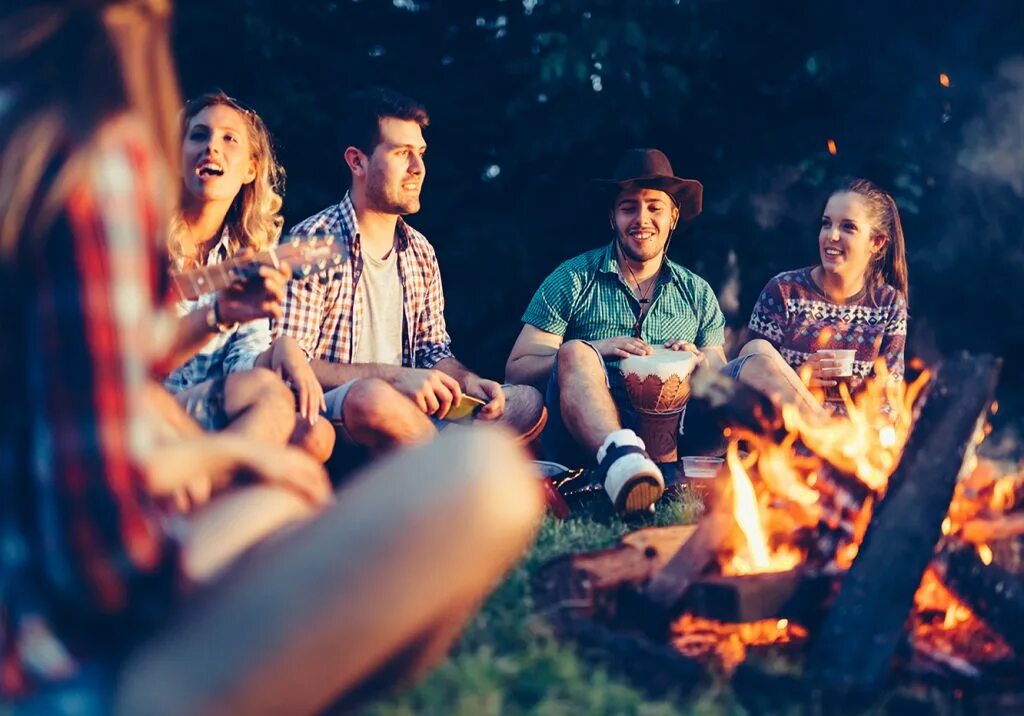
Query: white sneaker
pixel 631 479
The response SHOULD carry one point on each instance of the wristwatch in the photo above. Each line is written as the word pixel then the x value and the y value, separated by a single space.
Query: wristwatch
pixel 214 324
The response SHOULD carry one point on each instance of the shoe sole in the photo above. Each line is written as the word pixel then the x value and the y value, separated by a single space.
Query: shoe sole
pixel 639 495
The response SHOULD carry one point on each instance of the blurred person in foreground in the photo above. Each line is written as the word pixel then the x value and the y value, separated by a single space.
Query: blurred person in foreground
pixel 97 576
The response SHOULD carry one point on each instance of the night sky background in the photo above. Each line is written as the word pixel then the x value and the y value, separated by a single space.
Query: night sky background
pixel 529 99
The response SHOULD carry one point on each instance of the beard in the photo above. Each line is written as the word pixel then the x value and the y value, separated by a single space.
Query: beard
pixel 389 200
pixel 647 253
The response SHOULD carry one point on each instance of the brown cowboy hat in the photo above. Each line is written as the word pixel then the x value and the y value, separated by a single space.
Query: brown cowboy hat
pixel 650 169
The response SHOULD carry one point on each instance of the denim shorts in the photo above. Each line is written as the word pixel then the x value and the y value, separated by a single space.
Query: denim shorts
pixel 558 445
pixel 205 403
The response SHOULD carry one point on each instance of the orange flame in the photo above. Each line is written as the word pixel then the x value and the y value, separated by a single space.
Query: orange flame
pixel 869 440
pixel 944 79
pixel 832 149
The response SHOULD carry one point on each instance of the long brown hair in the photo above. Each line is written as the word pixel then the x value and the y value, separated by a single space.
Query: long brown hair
pixel 254 219
pixel 889 264
pixel 67 68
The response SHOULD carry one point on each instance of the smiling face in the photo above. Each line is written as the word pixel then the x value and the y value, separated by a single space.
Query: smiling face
pixel 847 240
pixel 395 171
pixel 643 220
pixel 216 154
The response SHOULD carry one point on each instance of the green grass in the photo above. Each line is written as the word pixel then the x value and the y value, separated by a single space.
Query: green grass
pixel 509 662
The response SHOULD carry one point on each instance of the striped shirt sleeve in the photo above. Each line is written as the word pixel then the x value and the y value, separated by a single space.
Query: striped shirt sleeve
pixel 551 306
pixel 711 331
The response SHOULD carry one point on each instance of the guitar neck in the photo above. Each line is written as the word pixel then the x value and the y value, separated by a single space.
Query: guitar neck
pixel 304 255
pixel 197 282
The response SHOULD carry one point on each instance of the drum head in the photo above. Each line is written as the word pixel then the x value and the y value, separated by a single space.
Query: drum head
pixel 664 363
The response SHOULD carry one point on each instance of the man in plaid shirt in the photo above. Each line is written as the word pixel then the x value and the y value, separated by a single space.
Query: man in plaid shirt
pixel 382 316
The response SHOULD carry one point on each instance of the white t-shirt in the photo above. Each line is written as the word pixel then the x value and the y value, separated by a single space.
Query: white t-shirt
pixel 381 338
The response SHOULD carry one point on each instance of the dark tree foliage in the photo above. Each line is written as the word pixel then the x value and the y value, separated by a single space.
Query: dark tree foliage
pixel 532 98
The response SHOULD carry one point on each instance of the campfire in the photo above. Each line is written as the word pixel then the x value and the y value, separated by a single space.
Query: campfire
pixel 861 543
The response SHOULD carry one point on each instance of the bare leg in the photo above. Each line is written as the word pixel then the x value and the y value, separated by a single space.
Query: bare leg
pixel 588 411
pixel 380 418
pixel 317 440
pixel 769 372
pixel 307 617
pixel 233 522
pixel 259 405
pixel 524 414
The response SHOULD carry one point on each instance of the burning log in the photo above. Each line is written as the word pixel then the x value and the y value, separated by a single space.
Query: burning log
pixel 982 531
pixel 855 645
pixel 993 593
pixel 796 594
pixel 735 405
pixel 665 591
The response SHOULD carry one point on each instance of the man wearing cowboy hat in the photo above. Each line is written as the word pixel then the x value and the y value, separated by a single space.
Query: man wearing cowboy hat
pixel 610 303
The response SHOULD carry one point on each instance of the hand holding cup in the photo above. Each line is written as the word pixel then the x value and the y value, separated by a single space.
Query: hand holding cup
pixel 828 365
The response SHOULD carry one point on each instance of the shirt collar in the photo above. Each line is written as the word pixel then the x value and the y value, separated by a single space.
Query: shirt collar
pixel 222 249
pixel 348 216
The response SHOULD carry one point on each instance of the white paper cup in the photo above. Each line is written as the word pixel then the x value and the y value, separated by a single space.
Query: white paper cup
pixel 845 358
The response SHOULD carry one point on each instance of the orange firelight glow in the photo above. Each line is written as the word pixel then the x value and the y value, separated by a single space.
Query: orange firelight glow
pixel 944 79
pixel 832 149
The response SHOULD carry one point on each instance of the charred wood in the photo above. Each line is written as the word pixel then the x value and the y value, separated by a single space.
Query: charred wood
pixel 797 595
pixel 854 647
pixel 994 594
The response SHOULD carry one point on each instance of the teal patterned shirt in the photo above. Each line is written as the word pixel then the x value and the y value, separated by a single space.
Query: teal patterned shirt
pixel 585 298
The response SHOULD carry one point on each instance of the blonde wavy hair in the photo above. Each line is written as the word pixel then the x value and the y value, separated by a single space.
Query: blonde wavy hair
pixel 254 219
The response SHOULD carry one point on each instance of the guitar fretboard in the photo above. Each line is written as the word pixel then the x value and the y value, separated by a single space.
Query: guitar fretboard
pixel 304 255
pixel 197 282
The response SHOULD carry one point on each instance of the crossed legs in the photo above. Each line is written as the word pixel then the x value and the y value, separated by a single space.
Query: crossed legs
pixel 766 370
pixel 392 569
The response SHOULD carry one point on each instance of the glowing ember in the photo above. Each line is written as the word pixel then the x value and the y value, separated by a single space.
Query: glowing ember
pixel 985 554
pixel 726 645
pixel 944 79
pixel 944 625
pixel 832 149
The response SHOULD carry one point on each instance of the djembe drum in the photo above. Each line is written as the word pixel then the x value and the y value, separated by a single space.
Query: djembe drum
pixel 658 386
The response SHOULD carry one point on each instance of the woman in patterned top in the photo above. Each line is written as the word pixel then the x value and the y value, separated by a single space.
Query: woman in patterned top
pixel 231 203
pixel 855 299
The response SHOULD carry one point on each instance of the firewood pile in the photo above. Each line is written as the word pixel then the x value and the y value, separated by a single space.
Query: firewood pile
pixel 868 553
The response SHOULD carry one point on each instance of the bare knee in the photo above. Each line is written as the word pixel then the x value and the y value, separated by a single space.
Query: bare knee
pixel 577 356
pixel 317 440
pixel 372 404
pixel 758 363
pixel 758 346
pixel 260 385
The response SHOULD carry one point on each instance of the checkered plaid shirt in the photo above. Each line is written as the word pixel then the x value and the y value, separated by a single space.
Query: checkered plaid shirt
pixel 585 298
pixel 80 544
pixel 229 352
pixel 325 313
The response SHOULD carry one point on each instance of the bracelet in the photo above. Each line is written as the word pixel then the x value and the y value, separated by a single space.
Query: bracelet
pixel 213 320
